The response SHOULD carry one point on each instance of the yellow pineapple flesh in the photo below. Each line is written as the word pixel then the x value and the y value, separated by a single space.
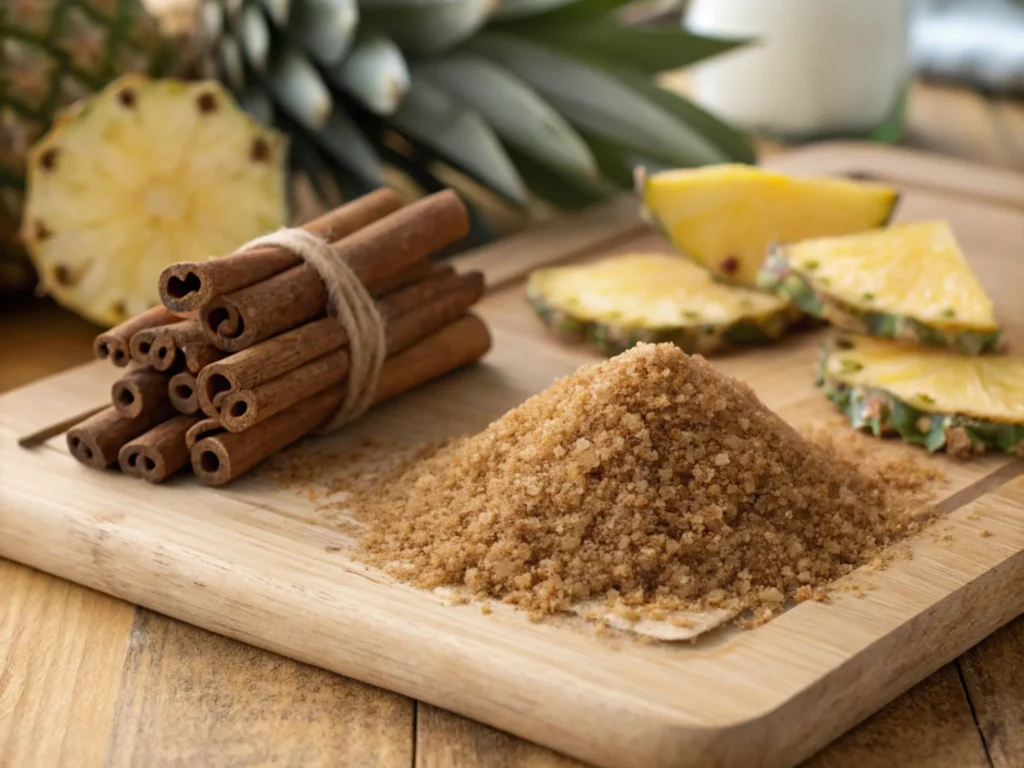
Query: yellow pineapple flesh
pixel 933 397
pixel 654 297
pixel 908 282
pixel 726 216
pixel 144 174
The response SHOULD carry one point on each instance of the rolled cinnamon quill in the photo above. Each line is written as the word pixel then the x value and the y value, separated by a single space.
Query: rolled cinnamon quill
pixel 200 355
pixel 168 344
pixel 201 429
pixel 221 458
pixel 280 354
pixel 141 391
pixel 96 441
pixel 159 452
pixel 375 253
pixel 244 408
pixel 114 344
pixel 182 391
pixel 190 285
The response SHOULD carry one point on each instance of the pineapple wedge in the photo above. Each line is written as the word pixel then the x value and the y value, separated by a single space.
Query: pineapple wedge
pixel 654 297
pixel 907 282
pixel 963 404
pixel 144 174
pixel 726 216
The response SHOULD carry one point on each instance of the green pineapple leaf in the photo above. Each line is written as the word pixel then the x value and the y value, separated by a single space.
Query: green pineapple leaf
pixel 518 115
pixel 424 29
pixel 325 28
pixel 458 135
pixel 598 102
pixel 645 50
pixel 298 88
pixel 375 73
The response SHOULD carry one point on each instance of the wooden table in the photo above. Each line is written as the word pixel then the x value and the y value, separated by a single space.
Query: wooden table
pixel 88 680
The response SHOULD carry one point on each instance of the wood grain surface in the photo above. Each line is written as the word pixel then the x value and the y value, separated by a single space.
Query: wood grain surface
pixel 40 676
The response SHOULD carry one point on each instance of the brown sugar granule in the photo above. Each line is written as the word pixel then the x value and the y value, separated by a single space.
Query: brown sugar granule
pixel 649 481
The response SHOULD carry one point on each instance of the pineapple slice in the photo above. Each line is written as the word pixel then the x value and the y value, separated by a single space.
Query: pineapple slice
pixel 726 216
pixel 654 297
pixel 931 397
pixel 907 282
pixel 144 174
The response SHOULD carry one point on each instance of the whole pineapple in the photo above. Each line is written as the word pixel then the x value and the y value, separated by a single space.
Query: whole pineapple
pixel 52 53
pixel 557 98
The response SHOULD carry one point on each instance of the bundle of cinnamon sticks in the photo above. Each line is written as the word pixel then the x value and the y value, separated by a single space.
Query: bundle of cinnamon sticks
pixel 244 357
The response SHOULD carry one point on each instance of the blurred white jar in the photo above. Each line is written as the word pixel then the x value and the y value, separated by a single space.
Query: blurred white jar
pixel 816 68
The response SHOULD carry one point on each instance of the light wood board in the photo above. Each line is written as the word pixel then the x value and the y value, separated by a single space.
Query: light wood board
pixel 257 563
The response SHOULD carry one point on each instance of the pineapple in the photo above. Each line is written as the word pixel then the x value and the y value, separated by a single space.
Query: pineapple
pixel 555 99
pixel 961 403
pixel 654 297
pixel 53 52
pixel 726 216
pixel 141 175
pixel 907 282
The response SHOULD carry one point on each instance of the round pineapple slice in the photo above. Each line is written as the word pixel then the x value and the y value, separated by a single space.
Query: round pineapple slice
pixel 141 175
pixel 726 216
pixel 654 297
pixel 908 282
pixel 965 404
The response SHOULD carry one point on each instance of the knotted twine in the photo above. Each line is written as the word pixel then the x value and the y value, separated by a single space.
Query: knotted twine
pixel 348 301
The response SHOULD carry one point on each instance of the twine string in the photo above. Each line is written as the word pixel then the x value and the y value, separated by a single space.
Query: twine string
pixel 348 301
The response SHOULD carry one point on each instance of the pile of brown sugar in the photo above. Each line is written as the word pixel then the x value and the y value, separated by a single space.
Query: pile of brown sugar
pixel 650 480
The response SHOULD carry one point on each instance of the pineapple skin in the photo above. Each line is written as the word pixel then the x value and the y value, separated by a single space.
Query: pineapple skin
pixel 781 278
pixel 883 414
pixel 611 339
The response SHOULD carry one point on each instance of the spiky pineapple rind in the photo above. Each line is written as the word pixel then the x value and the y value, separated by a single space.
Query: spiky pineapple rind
pixel 611 339
pixel 780 277
pixel 883 414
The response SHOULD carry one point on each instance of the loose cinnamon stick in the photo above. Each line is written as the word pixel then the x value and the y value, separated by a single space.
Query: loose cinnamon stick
pixel 96 441
pixel 159 452
pixel 201 429
pixel 182 391
pixel 141 344
pixel 190 285
pixel 243 408
pixel 375 253
pixel 200 355
pixel 168 343
pixel 141 391
pixel 114 344
pixel 222 458
pixel 279 354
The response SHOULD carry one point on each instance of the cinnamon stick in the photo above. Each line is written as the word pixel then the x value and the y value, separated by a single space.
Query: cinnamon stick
pixel 168 343
pixel 141 391
pixel 113 344
pixel 190 285
pixel 182 391
pixel 200 355
pixel 279 354
pixel 141 344
pixel 243 408
pixel 221 458
pixel 201 429
pixel 375 253
pixel 96 441
pixel 159 452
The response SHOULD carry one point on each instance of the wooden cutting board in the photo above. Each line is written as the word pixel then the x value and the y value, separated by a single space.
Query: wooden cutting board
pixel 263 564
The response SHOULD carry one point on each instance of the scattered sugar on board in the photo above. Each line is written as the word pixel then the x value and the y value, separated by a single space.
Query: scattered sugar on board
pixel 650 482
